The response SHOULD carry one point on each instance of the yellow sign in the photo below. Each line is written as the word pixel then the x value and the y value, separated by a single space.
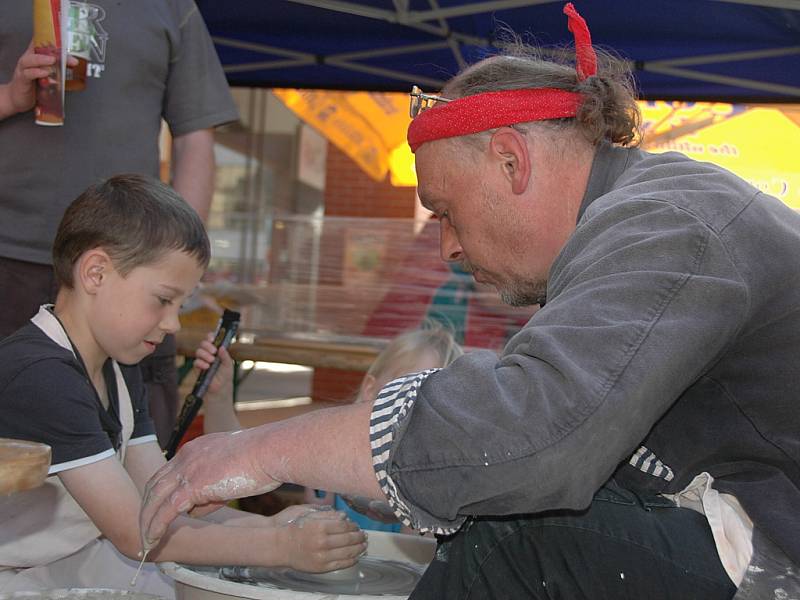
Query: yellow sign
pixel 760 144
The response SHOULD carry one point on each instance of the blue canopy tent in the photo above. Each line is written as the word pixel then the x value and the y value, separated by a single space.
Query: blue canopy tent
pixel 727 50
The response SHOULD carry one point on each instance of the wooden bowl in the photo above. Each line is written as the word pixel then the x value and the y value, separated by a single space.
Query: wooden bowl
pixel 23 465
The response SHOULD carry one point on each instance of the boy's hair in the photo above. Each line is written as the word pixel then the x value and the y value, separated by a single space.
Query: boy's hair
pixel 135 219
pixel 405 349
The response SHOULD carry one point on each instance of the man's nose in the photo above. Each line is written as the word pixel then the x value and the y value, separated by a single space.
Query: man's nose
pixel 449 247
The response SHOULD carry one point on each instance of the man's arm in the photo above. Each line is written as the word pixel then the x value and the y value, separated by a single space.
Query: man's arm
pixel 641 301
pixel 193 169
pixel 142 460
pixel 634 319
pixel 233 465
pixel 196 100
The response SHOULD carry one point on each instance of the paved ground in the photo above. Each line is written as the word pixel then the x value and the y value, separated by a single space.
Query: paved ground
pixel 273 381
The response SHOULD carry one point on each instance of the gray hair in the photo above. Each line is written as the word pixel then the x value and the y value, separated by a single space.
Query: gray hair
pixel 609 111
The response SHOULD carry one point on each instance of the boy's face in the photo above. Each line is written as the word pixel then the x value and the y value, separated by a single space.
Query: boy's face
pixel 132 314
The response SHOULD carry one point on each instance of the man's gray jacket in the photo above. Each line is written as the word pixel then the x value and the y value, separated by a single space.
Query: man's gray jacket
pixel 669 346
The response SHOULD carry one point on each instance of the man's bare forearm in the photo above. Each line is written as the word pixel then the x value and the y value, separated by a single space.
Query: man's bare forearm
pixel 325 449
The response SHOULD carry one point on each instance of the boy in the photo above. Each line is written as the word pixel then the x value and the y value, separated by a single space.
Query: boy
pixel 127 253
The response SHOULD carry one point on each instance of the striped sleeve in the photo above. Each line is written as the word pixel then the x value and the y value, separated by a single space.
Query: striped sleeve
pixel 391 407
pixel 646 461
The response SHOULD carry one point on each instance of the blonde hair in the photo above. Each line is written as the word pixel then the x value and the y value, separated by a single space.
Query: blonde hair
pixel 404 351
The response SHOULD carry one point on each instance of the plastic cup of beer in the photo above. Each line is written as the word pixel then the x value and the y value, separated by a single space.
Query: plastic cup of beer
pixel 79 44
pixel 47 39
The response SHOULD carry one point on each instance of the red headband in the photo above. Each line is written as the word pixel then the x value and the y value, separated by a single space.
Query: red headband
pixel 489 110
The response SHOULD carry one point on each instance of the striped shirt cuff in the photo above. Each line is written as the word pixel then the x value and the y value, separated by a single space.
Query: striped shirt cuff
pixel 391 407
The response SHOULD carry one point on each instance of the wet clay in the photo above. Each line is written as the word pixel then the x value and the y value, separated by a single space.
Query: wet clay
pixel 139 570
pixel 79 594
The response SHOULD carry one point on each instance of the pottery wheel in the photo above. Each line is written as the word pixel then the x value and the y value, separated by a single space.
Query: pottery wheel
pixel 369 576
pixel 79 594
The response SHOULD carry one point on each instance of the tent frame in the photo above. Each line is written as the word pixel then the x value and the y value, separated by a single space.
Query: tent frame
pixel 434 21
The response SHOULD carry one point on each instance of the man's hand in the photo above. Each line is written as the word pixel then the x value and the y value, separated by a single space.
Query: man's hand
pixel 19 94
pixel 317 539
pixel 206 471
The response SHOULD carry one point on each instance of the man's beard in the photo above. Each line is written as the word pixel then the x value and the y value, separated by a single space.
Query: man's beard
pixel 517 293
pixel 524 293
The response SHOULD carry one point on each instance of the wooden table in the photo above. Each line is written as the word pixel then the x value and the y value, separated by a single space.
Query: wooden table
pixel 334 352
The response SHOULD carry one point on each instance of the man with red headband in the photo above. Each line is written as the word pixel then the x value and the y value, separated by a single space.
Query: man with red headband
pixel 640 436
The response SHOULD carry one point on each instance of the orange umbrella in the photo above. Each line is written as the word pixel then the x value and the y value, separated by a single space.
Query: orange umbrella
pixel 370 127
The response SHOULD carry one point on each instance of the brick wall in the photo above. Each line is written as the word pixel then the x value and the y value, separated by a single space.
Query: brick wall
pixel 349 192
pixel 335 385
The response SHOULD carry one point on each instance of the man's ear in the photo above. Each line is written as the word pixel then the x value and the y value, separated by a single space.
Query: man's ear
pixel 92 268
pixel 509 147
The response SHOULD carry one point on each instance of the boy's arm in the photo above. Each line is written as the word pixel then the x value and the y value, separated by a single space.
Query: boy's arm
pixel 219 415
pixel 142 460
pixel 110 498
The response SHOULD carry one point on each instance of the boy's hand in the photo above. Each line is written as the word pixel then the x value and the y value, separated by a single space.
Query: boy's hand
pixel 295 512
pixel 317 540
pixel 374 509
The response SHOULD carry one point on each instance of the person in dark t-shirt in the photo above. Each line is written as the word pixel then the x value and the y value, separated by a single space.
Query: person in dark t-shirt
pixel 127 253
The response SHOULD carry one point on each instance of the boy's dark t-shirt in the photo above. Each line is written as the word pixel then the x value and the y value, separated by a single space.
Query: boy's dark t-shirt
pixel 46 396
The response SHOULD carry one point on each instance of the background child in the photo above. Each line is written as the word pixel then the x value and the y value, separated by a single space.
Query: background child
pixel 127 253
pixel 432 346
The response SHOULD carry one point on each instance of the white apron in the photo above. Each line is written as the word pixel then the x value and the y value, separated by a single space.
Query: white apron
pixel 49 540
